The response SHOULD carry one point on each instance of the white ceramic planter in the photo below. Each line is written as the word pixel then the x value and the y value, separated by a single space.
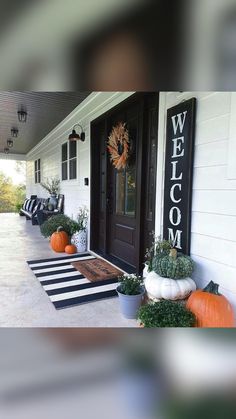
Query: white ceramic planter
pixel 79 239
pixel 169 289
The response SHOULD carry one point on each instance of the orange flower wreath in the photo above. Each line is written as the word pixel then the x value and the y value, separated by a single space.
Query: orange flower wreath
pixel 118 146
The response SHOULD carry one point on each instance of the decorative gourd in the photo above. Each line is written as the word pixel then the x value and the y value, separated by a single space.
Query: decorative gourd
pixel 59 240
pixel 174 266
pixel 170 289
pixel 70 249
pixel 211 308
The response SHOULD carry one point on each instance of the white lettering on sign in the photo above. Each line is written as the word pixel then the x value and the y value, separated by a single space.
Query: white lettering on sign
pixel 175 213
pixel 180 121
pixel 175 239
pixel 172 192
pixel 177 146
pixel 173 171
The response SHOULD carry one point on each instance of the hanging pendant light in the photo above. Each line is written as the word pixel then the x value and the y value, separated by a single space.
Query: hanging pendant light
pixel 14 132
pixel 22 115
pixel 9 143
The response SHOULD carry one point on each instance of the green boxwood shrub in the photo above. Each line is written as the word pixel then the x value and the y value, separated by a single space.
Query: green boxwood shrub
pixel 51 225
pixel 166 313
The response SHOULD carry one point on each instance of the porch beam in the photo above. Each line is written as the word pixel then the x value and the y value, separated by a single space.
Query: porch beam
pixel 20 157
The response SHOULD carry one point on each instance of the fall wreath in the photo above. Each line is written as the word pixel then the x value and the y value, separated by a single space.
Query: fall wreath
pixel 118 146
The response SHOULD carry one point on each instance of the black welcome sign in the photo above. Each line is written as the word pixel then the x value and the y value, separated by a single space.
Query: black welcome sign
pixel 178 174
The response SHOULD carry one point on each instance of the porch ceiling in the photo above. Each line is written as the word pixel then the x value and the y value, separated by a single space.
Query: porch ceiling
pixel 45 111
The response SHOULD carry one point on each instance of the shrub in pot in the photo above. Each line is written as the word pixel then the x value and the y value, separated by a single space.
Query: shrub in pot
pixel 130 291
pixel 170 274
pixel 166 313
pixel 52 186
pixel 59 220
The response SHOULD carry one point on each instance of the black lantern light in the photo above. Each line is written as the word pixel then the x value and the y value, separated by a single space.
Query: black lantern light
pixel 9 143
pixel 14 132
pixel 22 115
pixel 6 150
pixel 75 136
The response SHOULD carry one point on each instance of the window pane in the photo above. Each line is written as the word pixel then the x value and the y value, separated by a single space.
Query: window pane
pixel 39 177
pixel 35 165
pixel 64 152
pixel 64 171
pixel 35 177
pixel 120 192
pixel 72 145
pixel 73 169
pixel 130 192
pixel 38 164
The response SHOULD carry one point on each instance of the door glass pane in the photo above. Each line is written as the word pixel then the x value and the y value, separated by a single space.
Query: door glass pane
pixel 120 192
pixel 73 169
pixel 130 191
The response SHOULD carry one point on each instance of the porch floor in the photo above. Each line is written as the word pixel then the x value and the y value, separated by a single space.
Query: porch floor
pixel 23 300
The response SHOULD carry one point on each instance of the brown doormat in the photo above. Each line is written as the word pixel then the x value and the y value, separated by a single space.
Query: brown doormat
pixel 96 269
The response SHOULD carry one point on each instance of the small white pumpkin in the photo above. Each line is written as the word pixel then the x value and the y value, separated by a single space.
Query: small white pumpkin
pixel 169 289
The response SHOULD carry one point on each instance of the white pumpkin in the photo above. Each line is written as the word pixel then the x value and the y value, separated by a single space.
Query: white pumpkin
pixel 169 289
pixel 145 271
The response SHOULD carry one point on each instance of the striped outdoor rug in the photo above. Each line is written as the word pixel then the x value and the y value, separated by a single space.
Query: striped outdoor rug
pixel 65 286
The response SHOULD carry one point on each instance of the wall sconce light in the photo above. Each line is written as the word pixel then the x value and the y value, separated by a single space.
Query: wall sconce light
pixel 14 132
pixel 9 143
pixel 22 115
pixel 74 136
pixel 6 150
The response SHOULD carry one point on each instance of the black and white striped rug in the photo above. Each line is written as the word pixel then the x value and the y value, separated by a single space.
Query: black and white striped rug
pixel 65 286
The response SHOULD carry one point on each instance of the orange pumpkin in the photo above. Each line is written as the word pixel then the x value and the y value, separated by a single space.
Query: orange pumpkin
pixel 59 240
pixel 70 249
pixel 211 308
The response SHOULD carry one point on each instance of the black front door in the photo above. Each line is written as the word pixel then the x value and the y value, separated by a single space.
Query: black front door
pixel 123 201
pixel 123 194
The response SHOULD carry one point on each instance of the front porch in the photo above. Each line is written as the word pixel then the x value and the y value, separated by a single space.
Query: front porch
pixel 23 300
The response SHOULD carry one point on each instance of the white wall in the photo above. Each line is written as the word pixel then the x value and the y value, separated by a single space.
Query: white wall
pixel 213 232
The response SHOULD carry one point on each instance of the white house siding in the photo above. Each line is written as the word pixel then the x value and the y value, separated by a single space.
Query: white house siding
pixel 49 151
pixel 213 231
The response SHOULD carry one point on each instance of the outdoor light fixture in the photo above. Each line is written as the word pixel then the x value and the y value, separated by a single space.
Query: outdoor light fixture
pixel 14 132
pixel 74 136
pixel 22 115
pixel 6 150
pixel 10 143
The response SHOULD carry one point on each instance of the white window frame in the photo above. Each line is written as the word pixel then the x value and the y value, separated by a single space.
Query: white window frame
pixel 68 179
pixel 37 171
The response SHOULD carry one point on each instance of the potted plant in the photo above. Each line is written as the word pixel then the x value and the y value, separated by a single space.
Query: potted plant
pixel 59 220
pixel 169 274
pixel 130 291
pixel 79 236
pixel 52 186
pixel 166 313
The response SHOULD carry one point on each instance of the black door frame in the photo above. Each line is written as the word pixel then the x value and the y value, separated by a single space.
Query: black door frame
pixel 95 189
